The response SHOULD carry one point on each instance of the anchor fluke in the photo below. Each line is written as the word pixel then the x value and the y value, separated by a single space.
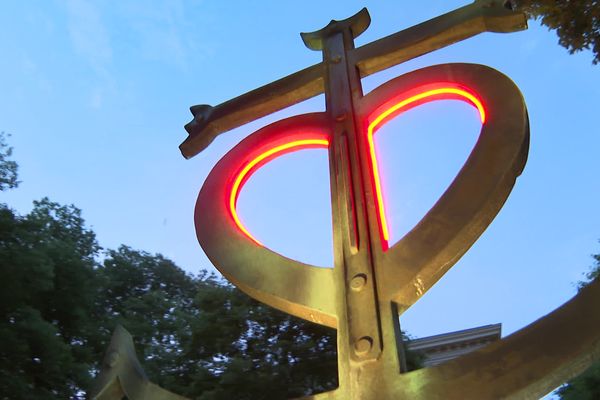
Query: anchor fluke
pixel 121 374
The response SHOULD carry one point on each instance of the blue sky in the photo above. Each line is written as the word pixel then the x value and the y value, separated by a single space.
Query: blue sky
pixel 95 96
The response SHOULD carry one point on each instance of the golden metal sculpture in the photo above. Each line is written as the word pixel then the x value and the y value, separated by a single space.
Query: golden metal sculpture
pixel 121 374
pixel 371 284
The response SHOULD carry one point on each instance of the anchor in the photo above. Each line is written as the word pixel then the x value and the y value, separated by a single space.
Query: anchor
pixel 373 282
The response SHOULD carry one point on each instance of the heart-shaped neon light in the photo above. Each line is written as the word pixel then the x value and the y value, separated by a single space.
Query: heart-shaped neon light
pixel 255 164
pixel 442 91
pixel 398 105
pixel 413 264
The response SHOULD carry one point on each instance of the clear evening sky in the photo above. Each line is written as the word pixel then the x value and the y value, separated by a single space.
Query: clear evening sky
pixel 95 96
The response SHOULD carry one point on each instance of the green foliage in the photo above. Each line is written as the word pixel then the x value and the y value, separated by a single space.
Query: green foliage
pixel 587 385
pixel 273 350
pixel 8 167
pixel 152 298
pixel 594 272
pixel 46 269
pixel 577 23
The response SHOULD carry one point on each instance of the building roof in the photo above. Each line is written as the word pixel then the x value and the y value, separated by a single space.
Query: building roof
pixel 447 346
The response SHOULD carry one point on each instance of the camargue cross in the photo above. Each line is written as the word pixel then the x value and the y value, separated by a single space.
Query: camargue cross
pixel 372 283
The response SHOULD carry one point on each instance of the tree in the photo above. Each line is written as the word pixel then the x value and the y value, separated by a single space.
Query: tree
pixel 594 272
pixel 46 269
pixel 587 385
pixel 8 167
pixel 289 356
pixel 577 23
pixel 153 299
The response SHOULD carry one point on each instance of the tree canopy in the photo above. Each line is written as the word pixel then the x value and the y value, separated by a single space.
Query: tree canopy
pixel 46 269
pixel 587 385
pixel 577 23
pixel 8 167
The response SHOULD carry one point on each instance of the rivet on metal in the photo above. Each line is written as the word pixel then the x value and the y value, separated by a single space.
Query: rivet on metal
pixel 363 345
pixel 358 282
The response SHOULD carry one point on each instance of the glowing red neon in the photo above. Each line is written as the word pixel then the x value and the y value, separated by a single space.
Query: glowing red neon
pixel 397 107
pixel 251 167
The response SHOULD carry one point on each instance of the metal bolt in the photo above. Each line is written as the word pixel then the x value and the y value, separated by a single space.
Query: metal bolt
pixel 363 345
pixel 358 282
pixel 336 58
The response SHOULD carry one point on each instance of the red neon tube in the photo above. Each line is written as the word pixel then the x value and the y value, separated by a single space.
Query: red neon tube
pixel 398 107
pixel 394 109
pixel 251 167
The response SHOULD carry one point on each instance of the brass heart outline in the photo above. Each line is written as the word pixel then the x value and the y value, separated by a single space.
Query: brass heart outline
pixel 413 264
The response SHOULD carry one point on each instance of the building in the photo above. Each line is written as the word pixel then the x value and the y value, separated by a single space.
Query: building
pixel 438 349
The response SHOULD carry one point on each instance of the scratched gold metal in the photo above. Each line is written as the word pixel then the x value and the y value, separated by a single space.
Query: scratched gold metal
pixel 371 284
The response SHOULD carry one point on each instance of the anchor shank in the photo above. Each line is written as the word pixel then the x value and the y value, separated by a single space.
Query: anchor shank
pixel 360 337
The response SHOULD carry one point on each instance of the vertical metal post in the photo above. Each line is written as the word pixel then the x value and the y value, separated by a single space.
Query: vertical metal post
pixel 360 334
